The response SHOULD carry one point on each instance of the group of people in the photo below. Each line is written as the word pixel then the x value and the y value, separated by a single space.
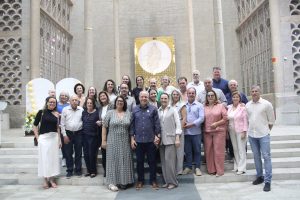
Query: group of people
pixel 165 124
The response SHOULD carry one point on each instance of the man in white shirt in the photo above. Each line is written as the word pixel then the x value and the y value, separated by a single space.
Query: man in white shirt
pixel 71 125
pixel 196 83
pixel 208 84
pixel 261 119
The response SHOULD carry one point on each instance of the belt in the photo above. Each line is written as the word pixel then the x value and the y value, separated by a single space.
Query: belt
pixel 74 132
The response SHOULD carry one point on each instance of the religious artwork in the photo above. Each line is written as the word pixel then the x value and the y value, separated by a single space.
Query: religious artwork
pixel 155 57
pixel 36 94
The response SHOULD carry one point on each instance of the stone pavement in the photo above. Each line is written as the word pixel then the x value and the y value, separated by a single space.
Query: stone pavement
pixel 281 190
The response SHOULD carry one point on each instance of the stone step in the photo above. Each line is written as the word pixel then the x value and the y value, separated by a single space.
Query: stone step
pixel 282 144
pixel 280 153
pixel 33 179
pixel 28 164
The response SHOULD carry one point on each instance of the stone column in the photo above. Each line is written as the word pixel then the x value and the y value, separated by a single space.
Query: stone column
pixel 35 39
pixel 275 40
pixel 219 36
pixel 286 101
pixel 117 41
pixel 89 53
pixel 192 34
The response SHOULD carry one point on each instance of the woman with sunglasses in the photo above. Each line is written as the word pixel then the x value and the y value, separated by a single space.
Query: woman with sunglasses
pixel 215 125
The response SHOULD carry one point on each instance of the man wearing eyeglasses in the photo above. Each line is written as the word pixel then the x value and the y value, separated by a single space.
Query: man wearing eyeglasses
pixel 124 91
pixel 193 133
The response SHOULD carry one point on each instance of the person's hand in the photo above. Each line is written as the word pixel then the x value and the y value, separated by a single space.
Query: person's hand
pixel 177 142
pixel 133 144
pixel 243 135
pixel 189 125
pixel 213 125
pixel 99 123
pixel 156 140
pixel 66 139
pixel 104 144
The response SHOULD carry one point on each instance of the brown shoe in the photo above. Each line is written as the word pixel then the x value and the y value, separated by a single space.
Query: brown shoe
pixel 139 185
pixel 155 186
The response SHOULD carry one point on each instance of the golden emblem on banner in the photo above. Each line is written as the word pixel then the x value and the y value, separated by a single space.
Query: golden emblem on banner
pixel 155 57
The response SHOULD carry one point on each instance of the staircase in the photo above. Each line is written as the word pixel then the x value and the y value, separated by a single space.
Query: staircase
pixel 18 161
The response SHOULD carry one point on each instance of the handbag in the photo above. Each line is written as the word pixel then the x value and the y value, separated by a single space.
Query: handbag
pixel 35 141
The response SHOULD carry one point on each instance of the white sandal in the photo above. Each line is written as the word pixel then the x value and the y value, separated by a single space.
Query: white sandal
pixel 113 188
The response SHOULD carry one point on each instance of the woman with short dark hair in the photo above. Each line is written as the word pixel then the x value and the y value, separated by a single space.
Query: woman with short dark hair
pixel 79 91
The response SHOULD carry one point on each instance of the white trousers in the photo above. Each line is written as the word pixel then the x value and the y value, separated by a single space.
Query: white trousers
pixel 239 150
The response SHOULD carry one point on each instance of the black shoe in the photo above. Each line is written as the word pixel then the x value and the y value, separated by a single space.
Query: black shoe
pixel 267 187
pixel 69 174
pixel 86 175
pixel 78 173
pixel 259 180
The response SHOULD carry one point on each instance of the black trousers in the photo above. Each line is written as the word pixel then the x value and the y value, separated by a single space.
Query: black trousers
pixel 90 150
pixel 75 144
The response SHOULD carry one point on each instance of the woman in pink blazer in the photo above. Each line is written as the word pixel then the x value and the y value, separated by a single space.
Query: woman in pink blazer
pixel 238 126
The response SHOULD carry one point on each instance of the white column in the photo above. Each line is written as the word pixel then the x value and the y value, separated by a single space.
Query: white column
pixel 35 39
pixel 219 36
pixel 117 41
pixel 192 34
pixel 275 40
pixel 89 53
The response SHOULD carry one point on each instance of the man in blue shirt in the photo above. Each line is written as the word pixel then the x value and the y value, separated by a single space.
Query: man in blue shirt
pixel 219 82
pixel 145 136
pixel 192 134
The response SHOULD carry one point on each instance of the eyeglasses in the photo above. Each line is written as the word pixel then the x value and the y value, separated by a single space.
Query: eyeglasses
pixel 120 101
pixel 52 102
pixel 210 95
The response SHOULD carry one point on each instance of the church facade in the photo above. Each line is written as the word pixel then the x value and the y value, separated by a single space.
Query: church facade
pixel 253 41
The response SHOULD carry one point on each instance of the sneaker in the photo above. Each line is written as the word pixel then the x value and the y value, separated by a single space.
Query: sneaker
pixel 259 180
pixel 240 172
pixel 198 172
pixel 113 188
pixel 186 171
pixel 63 162
pixel 267 187
pixel 69 174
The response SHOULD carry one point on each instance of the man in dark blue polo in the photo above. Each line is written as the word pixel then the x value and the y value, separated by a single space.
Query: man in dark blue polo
pixel 145 136
pixel 219 82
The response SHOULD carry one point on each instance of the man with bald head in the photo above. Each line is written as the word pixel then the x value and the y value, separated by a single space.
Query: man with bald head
pixel 71 125
pixel 145 136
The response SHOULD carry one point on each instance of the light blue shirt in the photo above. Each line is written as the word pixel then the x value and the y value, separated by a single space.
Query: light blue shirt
pixel 195 115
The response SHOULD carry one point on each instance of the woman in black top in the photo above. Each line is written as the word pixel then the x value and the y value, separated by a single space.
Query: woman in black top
pixel 139 80
pixel 49 142
pixel 90 136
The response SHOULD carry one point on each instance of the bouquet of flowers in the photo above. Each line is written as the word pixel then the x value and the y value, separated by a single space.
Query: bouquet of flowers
pixel 29 119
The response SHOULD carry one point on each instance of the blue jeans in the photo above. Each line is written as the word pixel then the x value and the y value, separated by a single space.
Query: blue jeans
pixel 141 150
pixel 76 144
pixel 261 146
pixel 192 146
